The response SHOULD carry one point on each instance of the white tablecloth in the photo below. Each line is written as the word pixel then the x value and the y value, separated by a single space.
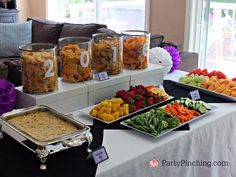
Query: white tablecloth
pixel 211 138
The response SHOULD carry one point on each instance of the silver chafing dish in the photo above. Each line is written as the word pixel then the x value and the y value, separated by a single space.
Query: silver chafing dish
pixel 43 149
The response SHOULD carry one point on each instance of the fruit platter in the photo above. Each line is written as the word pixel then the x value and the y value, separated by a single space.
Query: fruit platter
pixel 162 120
pixel 215 83
pixel 126 103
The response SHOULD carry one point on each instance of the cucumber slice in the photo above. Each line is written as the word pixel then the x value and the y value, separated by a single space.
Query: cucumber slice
pixel 203 109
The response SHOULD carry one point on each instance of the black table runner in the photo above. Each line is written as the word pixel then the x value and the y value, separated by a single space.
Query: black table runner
pixel 17 161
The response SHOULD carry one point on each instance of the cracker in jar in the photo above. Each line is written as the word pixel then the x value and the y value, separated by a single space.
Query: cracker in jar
pixel 133 56
pixel 35 67
pixel 72 70
pixel 103 59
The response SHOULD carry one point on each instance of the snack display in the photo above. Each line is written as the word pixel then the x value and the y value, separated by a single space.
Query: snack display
pixel 106 53
pixel 136 49
pixel 75 55
pixel 39 68
pixel 42 126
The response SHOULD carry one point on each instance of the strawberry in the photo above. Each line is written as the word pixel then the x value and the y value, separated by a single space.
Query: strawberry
pixel 234 79
pixel 149 94
pixel 140 92
pixel 131 93
pixel 213 73
pixel 150 101
pixel 132 88
pixel 195 71
pixel 133 108
pixel 120 93
pixel 140 104
pixel 220 75
pixel 204 72
pixel 156 98
pixel 138 97
pixel 140 87
pixel 129 100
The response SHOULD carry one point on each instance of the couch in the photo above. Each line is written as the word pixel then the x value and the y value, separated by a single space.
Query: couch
pixel 45 31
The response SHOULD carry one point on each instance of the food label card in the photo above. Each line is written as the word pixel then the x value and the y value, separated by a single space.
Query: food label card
pixel 99 155
pixel 195 95
pixel 103 76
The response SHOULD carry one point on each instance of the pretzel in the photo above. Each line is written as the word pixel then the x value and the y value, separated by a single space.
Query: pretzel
pixel 104 58
pixel 37 76
pixel 72 70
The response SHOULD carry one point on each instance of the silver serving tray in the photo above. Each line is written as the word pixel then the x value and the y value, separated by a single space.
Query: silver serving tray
pixel 216 94
pixel 44 148
pixel 87 110
pixel 164 132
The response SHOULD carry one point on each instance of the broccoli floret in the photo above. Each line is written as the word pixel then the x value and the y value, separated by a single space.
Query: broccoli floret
pixel 164 124
pixel 172 122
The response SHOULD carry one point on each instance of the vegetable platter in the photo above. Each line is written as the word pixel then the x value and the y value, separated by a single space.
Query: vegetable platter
pixel 160 121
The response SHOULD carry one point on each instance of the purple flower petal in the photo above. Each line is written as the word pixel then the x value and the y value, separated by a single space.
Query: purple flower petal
pixel 175 56
pixel 7 96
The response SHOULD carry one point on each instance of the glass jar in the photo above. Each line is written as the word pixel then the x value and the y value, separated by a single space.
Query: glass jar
pixel 39 68
pixel 135 49
pixel 75 55
pixel 107 53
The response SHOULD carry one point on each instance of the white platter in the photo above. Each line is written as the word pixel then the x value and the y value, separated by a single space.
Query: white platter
pixel 87 110
pixel 168 130
pixel 220 95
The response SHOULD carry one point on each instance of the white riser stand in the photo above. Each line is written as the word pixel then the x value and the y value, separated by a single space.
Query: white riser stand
pixel 74 96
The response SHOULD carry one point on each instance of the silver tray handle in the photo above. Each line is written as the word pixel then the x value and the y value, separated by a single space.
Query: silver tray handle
pixel 73 142
pixel 79 140
pixel 1 132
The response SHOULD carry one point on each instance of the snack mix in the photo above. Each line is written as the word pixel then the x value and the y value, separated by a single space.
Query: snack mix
pixel 39 72
pixel 135 54
pixel 76 65
pixel 107 56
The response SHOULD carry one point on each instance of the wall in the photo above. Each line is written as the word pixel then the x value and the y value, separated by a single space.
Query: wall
pixel 167 17
pixel 24 7
pixel 38 8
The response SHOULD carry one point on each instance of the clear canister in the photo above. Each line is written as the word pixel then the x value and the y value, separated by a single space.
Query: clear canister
pixel 135 49
pixel 39 68
pixel 75 53
pixel 107 53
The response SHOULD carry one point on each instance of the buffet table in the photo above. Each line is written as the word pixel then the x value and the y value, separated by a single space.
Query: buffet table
pixel 210 140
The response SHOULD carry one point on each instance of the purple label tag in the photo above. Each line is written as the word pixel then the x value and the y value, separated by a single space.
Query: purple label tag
pixel 100 155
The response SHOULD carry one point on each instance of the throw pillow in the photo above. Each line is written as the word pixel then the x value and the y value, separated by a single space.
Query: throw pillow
pixel 12 35
pixel 14 71
pixel 45 31
pixel 105 30
pixel 3 71
pixel 80 29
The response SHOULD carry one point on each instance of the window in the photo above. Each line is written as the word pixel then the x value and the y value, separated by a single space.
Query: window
pixel 118 15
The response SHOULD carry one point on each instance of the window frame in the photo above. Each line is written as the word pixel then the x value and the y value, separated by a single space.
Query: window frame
pixel 147 12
